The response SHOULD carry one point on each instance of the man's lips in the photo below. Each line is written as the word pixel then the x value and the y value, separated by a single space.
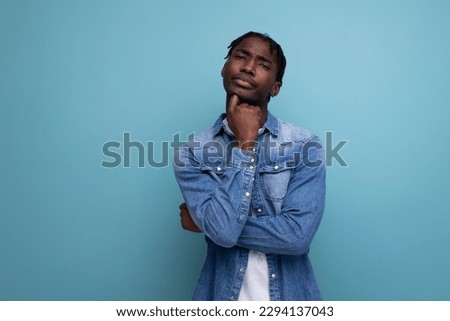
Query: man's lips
pixel 244 81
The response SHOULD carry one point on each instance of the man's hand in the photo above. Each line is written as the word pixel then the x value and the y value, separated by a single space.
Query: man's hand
pixel 186 220
pixel 243 120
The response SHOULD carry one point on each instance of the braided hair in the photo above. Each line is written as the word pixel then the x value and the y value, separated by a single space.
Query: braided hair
pixel 273 45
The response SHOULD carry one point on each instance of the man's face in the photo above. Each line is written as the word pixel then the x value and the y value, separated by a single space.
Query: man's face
pixel 250 72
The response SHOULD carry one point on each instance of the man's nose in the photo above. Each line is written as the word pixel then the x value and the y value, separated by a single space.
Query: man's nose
pixel 248 67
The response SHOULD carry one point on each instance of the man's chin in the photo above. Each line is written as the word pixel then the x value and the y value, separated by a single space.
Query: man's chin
pixel 244 97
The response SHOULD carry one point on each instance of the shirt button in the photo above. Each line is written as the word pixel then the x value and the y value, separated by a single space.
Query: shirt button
pixel 276 167
pixel 241 270
pixel 251 167
pixel 247 194
pixel 273 276
pixel 259 210
pixel 219 169
pixel 232 298
pixel 252 160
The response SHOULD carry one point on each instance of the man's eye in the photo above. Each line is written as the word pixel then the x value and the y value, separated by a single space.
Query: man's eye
pixel 239 56
pixel 265 66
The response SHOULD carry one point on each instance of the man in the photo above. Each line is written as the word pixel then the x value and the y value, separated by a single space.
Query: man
pixel 254 185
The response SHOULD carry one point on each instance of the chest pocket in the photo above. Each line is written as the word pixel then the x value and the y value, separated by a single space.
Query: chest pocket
pixel 275 181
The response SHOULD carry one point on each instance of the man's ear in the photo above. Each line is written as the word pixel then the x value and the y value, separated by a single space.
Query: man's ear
pixel 221 72
pixel 275 89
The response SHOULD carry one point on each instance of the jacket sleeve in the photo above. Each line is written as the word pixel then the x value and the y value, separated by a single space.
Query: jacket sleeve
pixel 292 231
pixel 219 197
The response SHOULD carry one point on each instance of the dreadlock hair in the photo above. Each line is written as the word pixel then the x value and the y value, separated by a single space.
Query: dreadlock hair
pixel 273 45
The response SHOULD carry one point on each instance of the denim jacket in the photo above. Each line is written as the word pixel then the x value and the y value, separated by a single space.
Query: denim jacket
pixel 269 200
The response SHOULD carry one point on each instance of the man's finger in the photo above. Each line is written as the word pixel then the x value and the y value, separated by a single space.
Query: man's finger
pixel 234 101
pixel 183 208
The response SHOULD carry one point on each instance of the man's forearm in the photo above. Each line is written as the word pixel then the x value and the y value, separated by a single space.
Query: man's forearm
pixel 219 207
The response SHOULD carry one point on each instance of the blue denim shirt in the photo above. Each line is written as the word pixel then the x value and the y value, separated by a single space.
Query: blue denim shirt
pixel 270 200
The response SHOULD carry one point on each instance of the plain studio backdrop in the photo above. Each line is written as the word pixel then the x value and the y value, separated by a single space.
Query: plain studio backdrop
pixel 76 75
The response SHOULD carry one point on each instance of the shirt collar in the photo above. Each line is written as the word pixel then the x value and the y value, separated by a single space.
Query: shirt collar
pixel 221 124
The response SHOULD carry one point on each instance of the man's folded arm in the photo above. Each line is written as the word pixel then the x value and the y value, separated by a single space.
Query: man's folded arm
pixel 291 232
pixel 217 202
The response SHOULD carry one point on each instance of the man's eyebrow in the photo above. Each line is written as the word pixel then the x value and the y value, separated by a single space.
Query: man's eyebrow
pixel 265 59
pixel 260 57
pixel 244 51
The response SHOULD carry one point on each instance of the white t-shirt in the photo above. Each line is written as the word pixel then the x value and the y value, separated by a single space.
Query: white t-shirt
pixel 255 286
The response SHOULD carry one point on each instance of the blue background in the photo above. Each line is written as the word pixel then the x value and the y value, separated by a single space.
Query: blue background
pixel 77 74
